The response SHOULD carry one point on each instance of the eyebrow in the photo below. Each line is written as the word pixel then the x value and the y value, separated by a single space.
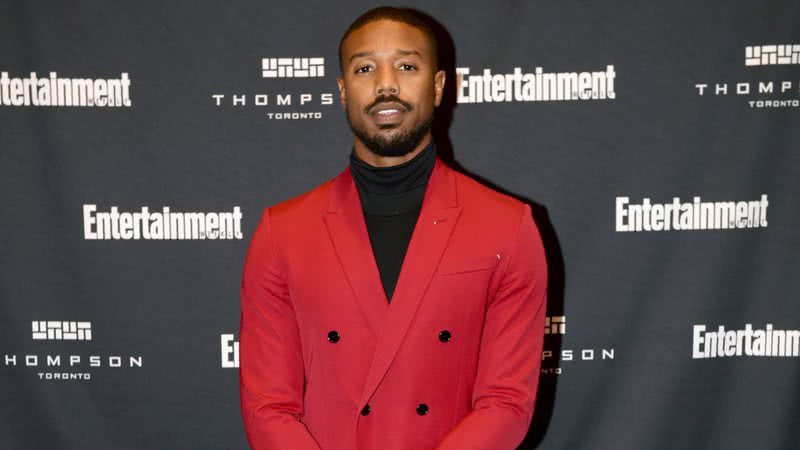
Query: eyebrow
pixel 399 52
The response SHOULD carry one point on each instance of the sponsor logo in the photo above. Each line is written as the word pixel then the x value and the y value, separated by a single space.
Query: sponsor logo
pixel 724 343
pixel 55 330
pixel 58 91
pixel 763 93
pixel 284 105
pixel 556 359
pixel 555 325
pixel 695 215
pixel 757 88
pixel 292 67
pixel 229 349
pixel 69 365
pixel 536 86
pixel 766 55
pixel 160 225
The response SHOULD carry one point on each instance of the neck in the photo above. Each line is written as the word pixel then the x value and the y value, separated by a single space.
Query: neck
pixel 394 188
pixel 369 157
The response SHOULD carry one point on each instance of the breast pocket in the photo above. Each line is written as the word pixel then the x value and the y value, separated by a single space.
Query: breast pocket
pixel 468 264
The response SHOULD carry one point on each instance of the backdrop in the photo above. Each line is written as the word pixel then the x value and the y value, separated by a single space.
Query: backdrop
pixel 657 143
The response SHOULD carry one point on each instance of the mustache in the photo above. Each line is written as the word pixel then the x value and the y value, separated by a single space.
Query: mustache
pixel 388 99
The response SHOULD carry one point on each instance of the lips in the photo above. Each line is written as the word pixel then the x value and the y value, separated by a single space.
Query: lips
pixel 387 113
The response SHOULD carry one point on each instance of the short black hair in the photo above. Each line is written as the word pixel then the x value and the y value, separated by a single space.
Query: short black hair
pixel 407 16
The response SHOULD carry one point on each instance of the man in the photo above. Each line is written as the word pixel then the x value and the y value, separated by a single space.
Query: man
pixel 400 305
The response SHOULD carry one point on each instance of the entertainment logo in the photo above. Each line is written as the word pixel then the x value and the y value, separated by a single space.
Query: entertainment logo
pixel 58 91
pixel 749 341
pixel 160 225
pixel 229 349
pixel 687 216
pixel 536 86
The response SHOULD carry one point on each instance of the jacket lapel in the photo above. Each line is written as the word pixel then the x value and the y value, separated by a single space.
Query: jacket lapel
pixel 436 221
pixel 348 231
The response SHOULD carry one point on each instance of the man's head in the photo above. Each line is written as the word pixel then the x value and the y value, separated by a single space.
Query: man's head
pixel 407 16
pixel 390 82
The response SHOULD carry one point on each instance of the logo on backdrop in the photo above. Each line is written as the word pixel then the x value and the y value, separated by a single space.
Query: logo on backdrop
pixel 283 104
pixel 53 90
pixel 723 343
pixel 160 225
pixel 229 348
pixel 536 86
pixel 555 325
pixel 767 55
pixel 292 67
pixel 765 91
pixel 694 215
pixel 71 361
pixel 55 330
pixel 556 359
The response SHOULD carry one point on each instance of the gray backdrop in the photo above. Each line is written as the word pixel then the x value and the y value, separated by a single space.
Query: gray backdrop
pixel 108 341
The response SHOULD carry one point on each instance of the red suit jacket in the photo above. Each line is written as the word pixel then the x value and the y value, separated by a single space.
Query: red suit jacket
pixel 452 363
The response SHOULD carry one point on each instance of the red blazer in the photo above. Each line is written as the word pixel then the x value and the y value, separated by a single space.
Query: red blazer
pixel 452 363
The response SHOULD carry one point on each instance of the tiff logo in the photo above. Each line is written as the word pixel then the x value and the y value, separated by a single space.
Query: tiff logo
pixel 767 55
pixel 292 67
pixel 61 330
pixel 555 325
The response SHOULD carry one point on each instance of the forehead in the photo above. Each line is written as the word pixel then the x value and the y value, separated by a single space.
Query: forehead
pixel 386 36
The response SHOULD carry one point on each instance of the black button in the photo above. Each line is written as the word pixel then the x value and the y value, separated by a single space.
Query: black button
pixel 444 336
pixel 333 336
pixel 422 409
pixel 365 411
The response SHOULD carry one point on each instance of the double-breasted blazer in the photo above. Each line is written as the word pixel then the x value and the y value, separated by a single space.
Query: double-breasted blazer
pixel 451 363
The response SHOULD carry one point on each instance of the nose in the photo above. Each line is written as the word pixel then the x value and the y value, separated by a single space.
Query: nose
pixel 386 82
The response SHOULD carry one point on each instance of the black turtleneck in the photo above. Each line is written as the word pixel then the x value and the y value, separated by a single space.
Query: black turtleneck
pixel 391 198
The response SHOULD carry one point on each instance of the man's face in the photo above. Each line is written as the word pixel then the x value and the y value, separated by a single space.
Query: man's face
pixel 389 86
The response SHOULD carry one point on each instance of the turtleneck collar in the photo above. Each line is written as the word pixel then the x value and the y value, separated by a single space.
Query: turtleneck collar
pixel 395 189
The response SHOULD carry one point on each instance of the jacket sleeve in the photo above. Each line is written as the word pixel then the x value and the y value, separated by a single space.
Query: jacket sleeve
pixel 271 373
pixel 510 351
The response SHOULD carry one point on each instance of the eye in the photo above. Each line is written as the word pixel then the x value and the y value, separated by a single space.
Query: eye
pixel 363 69
pixel 408 67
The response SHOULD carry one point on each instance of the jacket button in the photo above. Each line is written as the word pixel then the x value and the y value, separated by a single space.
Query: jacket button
pixel 365 411
pixel 422 409
pixel 333 336
pixel 444 336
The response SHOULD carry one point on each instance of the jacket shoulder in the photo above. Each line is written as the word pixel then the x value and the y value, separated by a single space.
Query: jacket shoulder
pixel 314 201
pixel 475 195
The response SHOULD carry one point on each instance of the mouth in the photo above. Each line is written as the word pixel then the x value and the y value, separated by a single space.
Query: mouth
pixel 387 113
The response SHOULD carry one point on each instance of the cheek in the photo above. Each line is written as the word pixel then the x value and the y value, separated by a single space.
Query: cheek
pixel 424 95
pixel 353 106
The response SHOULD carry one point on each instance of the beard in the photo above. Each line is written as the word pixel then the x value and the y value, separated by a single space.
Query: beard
pixel 391 144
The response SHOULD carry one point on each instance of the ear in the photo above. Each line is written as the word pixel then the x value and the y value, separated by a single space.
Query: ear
pixel 342 91
pixel 438 87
